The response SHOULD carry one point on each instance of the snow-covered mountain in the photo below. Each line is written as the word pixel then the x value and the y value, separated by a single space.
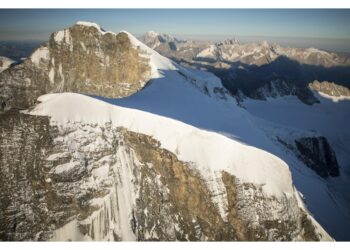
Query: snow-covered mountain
pixel 153 40
pixel 252 68
pixel 172 47
pixel 174 159
pixel 262 53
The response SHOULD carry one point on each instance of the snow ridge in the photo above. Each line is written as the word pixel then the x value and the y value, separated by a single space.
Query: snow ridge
pixel 208 150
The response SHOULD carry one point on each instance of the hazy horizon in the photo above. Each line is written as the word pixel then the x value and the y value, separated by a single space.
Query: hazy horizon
pixel 320 28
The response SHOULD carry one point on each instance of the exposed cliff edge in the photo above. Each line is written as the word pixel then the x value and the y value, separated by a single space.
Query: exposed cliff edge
pixel 318 155
pixel 82 58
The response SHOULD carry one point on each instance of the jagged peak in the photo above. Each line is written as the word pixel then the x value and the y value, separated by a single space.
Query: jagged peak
pixel 230 41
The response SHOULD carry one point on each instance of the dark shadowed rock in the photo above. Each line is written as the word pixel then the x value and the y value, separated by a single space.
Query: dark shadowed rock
pixel 318 155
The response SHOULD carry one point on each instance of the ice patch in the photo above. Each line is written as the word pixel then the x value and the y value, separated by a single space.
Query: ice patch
pixel 41 53
pixel 52 75
pixel 59 36
pixel 83 46
pixel 56 156
pixel 66 167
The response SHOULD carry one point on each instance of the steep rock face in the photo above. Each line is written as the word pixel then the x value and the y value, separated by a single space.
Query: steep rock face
pixel 89 182
pixel 274 88
pixel 318 155
pixel 82 58
pixel 26 198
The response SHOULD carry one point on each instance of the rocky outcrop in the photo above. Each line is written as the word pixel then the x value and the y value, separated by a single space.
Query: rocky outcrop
pixel 279 88
pixel 274 88
pixel 81 181
pixel 330 88
pixel 318 155
pixel 83 59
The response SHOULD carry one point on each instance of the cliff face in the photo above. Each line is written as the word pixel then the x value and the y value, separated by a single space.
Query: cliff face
pixel 279 88
pixel 318 155
pixel 81 181
pixel 83 59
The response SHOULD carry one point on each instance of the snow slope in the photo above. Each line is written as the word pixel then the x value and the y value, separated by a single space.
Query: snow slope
pixel 210 151
pixel 328 199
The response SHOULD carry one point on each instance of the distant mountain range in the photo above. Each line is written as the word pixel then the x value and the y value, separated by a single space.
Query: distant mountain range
pixel 252 67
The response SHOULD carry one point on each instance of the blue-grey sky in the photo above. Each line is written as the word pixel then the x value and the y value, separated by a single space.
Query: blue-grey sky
pixel 305 27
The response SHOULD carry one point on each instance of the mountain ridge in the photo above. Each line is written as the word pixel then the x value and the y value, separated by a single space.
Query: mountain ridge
pixel 150 165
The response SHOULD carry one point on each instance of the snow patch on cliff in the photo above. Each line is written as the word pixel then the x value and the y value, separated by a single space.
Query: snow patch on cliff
pixel 41 53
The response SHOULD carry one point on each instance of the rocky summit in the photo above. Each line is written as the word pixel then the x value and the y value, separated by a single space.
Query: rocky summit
pixel 82 58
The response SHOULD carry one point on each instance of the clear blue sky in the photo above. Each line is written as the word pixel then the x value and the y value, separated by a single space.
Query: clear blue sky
pixel 195 23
